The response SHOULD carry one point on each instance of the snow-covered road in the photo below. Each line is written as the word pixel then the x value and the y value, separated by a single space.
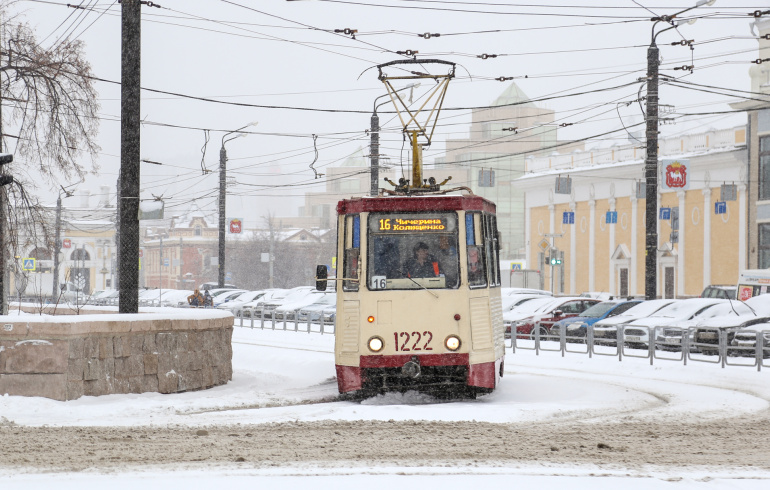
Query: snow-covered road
pixel 552 418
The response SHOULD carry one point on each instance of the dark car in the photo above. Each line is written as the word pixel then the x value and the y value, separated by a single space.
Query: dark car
pixel 721 292
pixel 550 313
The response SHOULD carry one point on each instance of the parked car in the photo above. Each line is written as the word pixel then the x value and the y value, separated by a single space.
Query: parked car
pixel 744 342
pixel 293 295
pixel 326 309
pixel 523 311
pixel 577 327
pixel 709 331
pixel 671 338
pixel 606 330
pixel 706 336
pixel 235 305
pixel 544 317
pixel 227 296
pixel 637 332
pixel 717 291
pixel 289 310
pixel 512 291
pixel 513 301
pixel 254 308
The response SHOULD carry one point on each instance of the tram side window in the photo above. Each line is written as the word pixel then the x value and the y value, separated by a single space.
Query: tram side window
pixel 352 255
pixel 493 249
pixel 477 273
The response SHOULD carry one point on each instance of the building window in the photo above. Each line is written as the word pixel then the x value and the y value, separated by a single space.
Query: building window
pixel 198 231
pixel 764 246
pixel 764 168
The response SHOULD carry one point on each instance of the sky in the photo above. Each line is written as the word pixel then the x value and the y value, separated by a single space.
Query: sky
pixel 278 370
pixel 285 54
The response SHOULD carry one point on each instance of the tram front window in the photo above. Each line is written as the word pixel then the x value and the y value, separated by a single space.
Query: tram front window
pixel 412 251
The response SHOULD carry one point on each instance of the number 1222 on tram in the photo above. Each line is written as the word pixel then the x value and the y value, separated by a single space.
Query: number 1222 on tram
pixel 418 303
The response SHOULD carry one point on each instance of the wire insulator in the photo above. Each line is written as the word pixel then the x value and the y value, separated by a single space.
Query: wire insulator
pixel 486 56
pixel 428 35
pixel 503 79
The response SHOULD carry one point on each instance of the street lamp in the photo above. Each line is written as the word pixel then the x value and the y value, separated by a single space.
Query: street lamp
pixel 57 241
pixel 374 145
pixel 651 160
pixel 223 196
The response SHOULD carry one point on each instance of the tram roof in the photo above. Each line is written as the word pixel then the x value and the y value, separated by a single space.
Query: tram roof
pixel 415 204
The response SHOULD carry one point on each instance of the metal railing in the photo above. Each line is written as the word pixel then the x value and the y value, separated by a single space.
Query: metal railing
pixel 726 347
pixel 257 320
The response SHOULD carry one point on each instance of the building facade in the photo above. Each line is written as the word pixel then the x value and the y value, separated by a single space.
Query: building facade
pixel 701 232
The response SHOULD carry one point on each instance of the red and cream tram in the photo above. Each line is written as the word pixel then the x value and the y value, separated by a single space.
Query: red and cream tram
pixel 418 302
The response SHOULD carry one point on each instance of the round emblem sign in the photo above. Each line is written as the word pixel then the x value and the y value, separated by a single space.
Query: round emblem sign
pixel 66 243
pixel 235 226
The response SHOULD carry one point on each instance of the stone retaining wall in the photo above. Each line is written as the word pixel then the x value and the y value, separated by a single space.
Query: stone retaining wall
pixel 65 358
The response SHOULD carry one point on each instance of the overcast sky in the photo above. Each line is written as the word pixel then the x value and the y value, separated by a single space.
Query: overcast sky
pixel 285 53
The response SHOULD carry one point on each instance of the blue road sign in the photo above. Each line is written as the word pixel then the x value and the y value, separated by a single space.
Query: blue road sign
pixel 568 218
pixel 28 264
pixel 720 207
pixel 166 263
pixel 665 213
pixel 611 217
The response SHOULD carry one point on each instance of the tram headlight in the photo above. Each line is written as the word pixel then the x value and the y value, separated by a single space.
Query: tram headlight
pixel 376 344
pixel 452 342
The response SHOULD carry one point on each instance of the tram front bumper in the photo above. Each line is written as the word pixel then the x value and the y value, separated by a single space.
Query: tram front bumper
pixel 415 368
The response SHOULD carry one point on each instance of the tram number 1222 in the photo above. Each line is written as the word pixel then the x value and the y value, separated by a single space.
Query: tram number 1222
pixel 407 337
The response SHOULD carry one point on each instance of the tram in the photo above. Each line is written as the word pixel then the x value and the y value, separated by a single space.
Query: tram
pixel 418 300
pixel 418 304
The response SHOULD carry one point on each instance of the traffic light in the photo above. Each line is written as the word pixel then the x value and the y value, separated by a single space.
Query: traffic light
pixel 553 260
pixel 5 158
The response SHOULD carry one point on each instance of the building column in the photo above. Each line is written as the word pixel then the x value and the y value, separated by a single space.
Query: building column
pixel 572 253
pixel 591 243
pixel 528 238
pixel 706 236
pixel 551 231
pixel 742 229
pixel 680 265
pixel 612 250
pixel 634 236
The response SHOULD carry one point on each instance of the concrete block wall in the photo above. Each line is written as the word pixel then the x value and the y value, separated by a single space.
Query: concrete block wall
pixel 66 358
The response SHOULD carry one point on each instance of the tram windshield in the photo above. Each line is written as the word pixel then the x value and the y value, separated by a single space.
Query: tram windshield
pixel 413 251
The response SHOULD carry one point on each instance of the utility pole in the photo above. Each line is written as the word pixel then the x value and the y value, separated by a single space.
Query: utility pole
pixel 272 249
pixel 651 159
pixel 374 154
pixel 129 155
pixel 222 204
pixel 651 173
pixel 223 198
pixel 56 251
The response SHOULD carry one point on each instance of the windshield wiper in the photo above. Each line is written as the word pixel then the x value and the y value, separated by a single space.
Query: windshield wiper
pixel 408 277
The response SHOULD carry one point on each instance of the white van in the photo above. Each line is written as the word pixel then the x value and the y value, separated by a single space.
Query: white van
pixel 753 282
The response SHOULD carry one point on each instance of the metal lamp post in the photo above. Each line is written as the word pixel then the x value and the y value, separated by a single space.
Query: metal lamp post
pixel 223 198
pixel 651 159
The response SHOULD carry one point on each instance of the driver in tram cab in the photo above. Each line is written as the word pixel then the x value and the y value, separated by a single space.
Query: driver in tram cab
pixel 423 264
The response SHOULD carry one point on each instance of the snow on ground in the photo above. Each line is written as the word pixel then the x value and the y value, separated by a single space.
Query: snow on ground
pixel 286 376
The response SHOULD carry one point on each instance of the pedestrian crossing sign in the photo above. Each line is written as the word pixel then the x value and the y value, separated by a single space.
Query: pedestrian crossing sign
pixel 28 264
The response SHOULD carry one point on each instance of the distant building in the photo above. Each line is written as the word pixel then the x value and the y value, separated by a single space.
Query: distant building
pixel 494 154
pixel 758 176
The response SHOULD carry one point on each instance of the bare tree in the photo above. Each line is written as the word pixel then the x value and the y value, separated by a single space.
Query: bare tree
pixel 53 99
pixel 48 99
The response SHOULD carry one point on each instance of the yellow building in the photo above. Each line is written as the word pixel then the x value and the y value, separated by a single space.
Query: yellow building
pixel 695 250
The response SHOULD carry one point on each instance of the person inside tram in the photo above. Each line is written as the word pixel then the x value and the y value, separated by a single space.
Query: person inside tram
pixel 388 261
pixel 475 267
pixel 422 264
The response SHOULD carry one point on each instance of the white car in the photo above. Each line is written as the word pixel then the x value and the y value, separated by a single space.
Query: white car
pixel 254 308
pixel 680 314
pixel 293 295
pixel 523 311
pixel 235 305
pixel 606 330
pixel 287 311
pixel 227 296
pixel 744 342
